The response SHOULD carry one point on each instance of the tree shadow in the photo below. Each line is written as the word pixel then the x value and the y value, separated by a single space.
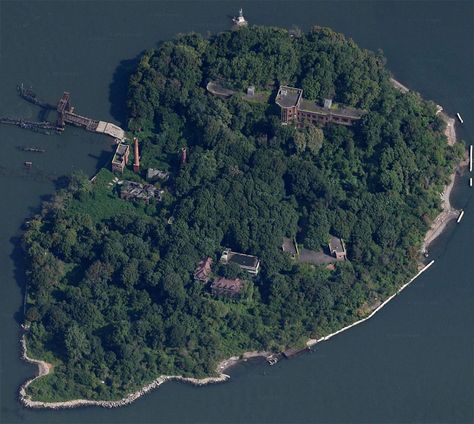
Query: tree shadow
pixel 17 256
pixel 118 89
pixel 19 263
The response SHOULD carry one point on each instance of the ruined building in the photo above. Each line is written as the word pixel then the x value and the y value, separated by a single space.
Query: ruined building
pixel 299 111
pixel 120 159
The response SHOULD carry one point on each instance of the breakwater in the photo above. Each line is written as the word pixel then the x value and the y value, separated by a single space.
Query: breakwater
pixel 312 342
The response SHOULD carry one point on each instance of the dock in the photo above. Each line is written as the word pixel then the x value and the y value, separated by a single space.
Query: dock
pixel 30 96
pixel 460 118
pixel 44 127
pixel 292 353
pixel 273 359
pixel 65 115
pixel 460 216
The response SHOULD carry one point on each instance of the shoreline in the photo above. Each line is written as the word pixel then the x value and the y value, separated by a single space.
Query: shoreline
pixel 44 369
pixel 447 214
pixel 312 342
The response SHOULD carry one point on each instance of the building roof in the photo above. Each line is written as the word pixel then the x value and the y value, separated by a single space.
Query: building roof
pixel 314 257
pixel 120 152
pixel 203 269
pixel 228 284
pixel 335 245
pixel 288 96
pixel 152 173
pixel 134 190
pixel 242 259
pixel 346 112
pixel 288 246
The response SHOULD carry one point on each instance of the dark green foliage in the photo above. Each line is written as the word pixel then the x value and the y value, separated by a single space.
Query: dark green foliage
pixel 111 298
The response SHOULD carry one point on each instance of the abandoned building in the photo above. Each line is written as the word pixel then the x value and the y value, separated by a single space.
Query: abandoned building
pixel 132 190
pixel 156 174
pixel 227 287
pixel 337 248
pixel 120 159
pixel 295 109
pixel 249 263
pixel 289 246
pixel 306 256
pixel 203 270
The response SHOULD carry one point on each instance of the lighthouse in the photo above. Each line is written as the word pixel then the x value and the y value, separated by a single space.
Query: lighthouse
pixel 183 155
pixel 136 161
pixel 240 21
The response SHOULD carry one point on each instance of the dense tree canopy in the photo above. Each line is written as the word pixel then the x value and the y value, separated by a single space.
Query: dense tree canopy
pixel 111 298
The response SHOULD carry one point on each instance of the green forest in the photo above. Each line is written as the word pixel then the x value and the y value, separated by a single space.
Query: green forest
pixel 111 298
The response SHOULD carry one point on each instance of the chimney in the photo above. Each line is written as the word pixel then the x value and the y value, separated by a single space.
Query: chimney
pixel 183 155
pixel 136 162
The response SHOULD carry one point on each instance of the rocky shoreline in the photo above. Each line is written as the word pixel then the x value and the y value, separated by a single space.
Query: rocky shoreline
pixel 44 369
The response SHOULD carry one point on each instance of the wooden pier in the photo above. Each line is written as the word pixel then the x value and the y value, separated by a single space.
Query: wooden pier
pixel 65 115
pixel 43 127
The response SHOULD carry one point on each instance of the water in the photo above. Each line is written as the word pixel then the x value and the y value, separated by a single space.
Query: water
pixel 412 363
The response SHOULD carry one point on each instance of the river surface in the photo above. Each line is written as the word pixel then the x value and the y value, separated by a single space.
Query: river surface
pixel 413 362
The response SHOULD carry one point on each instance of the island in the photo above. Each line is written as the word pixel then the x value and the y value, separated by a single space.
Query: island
pixel 272 188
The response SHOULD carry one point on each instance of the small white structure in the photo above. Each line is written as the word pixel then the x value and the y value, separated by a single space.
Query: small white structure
pixel 327 103
pixel 240 20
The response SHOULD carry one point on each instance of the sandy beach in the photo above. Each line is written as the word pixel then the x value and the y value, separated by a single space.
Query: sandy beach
pixel 448 213
pixel 439 224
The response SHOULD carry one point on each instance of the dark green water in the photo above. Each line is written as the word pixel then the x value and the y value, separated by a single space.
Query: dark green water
pixel 414 362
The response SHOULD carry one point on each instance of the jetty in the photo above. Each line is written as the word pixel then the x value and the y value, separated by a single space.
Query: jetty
pixel 292 353
pixel 273 359
pixel 30 96
pixel 43 127
pixel 65 115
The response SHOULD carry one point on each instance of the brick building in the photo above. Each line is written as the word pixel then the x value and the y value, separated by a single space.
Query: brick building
pixel 299 111
pixel 120 159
